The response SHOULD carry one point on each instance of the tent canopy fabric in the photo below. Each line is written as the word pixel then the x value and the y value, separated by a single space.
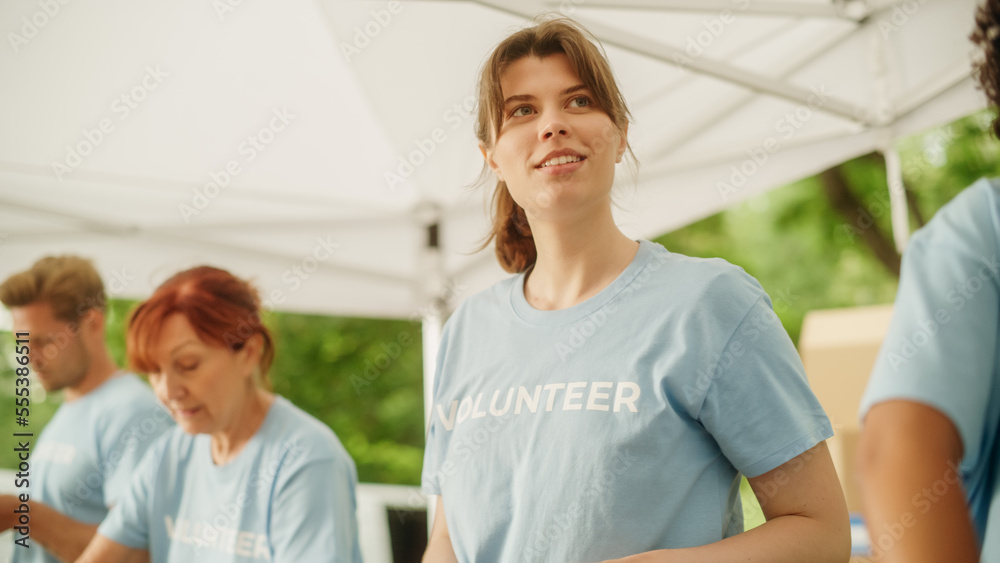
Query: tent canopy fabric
pixel 325 148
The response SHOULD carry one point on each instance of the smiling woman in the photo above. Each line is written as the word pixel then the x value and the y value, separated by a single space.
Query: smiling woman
pixel 640 384
pixel 246 474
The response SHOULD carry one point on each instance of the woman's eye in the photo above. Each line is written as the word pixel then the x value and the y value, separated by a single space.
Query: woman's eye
pixel 580 101
pixel 188 367
pixel 521 111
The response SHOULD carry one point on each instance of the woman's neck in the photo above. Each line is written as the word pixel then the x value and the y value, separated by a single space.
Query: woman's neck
pixel 576 260
pixel 229 442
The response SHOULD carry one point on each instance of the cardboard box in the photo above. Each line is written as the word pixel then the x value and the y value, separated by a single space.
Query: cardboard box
pixel 838 349
pixel 844 451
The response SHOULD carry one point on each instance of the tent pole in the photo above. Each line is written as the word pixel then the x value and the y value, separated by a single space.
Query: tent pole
pixel 435 293
pixel 897 198
pixel 433 322
pixel 886 115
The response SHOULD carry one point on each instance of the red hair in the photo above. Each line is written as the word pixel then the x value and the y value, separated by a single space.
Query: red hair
pixel 222 309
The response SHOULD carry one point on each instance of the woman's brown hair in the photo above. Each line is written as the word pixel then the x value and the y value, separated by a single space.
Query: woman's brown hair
pixel 986 35
pixel 515 247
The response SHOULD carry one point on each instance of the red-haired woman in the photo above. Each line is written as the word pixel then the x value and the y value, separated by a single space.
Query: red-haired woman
pixel 246 475
pixel 603 403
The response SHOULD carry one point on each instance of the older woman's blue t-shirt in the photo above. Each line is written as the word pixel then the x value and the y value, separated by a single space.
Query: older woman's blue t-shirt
pixel 288 496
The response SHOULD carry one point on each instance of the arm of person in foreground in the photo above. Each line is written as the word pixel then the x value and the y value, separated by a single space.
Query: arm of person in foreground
pixel 806 520
pixel 59 534
pixel 908 450
pixel 103 550
pixel 439 549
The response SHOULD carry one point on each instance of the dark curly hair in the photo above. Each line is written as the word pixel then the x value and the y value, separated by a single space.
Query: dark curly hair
pixel 986 35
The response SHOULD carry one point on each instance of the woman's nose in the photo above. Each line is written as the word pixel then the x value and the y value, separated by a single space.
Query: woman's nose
pixel 553 124
pixel 169 386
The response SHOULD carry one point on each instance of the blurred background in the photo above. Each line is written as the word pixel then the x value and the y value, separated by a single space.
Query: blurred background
pixel 368 191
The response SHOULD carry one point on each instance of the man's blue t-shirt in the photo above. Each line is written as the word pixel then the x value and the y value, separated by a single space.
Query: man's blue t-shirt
pixel 288 496
pixel 942 346
pixel 619 425
pixel 86 454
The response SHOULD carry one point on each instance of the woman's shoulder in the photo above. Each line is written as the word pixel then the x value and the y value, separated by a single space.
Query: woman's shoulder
pixel 971 218
pixel 697 278
pixel 483 303
pixel 296 432
pixel 171 448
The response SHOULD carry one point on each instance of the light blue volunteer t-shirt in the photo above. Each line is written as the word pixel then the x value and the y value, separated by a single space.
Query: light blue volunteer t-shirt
pixel 942 346
pixel 85 455
pixel 616 426
pixel 289 496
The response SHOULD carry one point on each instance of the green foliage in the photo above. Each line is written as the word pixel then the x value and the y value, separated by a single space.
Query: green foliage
pixel 364 379
pixel 806 255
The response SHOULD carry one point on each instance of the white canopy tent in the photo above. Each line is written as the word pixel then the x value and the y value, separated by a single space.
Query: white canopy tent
pixel 325 147
pixel 312 144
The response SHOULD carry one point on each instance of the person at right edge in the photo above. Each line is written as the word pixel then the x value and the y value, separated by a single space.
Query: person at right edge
pixel 929 455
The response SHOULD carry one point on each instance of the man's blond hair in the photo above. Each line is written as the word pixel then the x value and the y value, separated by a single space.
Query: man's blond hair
pixel 69 284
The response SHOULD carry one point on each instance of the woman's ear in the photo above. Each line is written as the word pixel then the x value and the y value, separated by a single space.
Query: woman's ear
pixel 252 350
pixel 622 144
pixel 488 157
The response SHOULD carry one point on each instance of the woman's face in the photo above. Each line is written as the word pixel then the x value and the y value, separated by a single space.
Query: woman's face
pixel 204 386
pixel 556 150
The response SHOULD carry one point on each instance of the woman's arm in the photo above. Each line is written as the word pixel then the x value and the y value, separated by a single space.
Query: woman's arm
pixel 103 550
pixel 907 449
pixel 439 548
pixel 806 519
